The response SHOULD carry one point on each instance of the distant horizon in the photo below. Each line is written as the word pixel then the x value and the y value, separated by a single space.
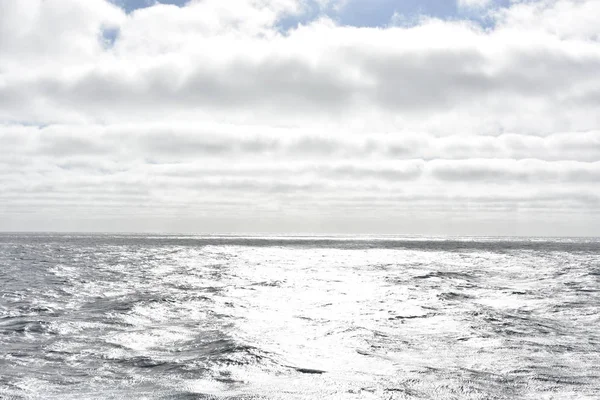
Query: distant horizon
pixel 291 235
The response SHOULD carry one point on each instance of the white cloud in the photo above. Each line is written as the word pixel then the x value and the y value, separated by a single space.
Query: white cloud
pixel 563 19
pixel 210 110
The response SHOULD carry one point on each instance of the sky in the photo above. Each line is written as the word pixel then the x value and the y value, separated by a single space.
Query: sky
pixel 467 117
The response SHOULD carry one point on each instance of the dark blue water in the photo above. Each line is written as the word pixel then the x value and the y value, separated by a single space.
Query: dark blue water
pixel 185 317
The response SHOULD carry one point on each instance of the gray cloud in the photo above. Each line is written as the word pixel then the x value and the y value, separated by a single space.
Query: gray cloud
pixel 187 141
pixel 394 80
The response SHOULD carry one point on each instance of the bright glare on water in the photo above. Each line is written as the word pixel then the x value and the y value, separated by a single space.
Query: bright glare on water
pixel 165 317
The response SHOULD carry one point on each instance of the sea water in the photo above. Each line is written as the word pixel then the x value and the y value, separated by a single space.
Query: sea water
pixel 229 317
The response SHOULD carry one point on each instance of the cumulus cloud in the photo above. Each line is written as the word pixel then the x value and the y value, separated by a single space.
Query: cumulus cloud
pixel 211 112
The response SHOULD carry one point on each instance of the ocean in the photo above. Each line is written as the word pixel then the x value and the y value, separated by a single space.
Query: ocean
pixel 86 316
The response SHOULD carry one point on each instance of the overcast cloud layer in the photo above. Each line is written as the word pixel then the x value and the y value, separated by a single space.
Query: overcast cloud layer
pixel 214 118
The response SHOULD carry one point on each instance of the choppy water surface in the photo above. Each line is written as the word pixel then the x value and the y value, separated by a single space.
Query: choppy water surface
pixel 119 317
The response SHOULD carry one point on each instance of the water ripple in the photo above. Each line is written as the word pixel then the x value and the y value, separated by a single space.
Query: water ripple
pixel 117 316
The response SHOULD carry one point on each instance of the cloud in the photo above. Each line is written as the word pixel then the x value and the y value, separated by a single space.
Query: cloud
pixel 487 78
pixel 181 141
pixel 553 17
pixel 53 32
pixel 210 109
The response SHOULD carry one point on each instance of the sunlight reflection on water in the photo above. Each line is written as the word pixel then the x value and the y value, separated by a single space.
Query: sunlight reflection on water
pixel 113 317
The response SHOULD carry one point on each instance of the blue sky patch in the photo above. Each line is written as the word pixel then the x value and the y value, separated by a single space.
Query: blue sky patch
pixel 109 36
pixel 363 13
pixel 132 5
